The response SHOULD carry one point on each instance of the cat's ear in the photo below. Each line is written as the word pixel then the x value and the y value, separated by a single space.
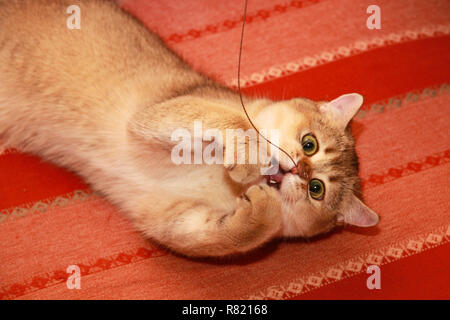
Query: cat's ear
pixel 343 109
pixel 358 214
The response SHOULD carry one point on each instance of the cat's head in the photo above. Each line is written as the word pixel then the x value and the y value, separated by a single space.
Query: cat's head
pixel 325 191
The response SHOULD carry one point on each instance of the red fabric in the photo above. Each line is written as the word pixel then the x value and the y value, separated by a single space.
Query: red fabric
pixel 50 219
pixel 423 276
pixel 377 75
pixel 26 178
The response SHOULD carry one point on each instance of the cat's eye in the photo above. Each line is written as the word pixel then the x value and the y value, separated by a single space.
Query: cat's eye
pixel 309 144
pixel 316 189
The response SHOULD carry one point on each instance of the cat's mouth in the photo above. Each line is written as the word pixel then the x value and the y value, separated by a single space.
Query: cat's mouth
pixel 276 179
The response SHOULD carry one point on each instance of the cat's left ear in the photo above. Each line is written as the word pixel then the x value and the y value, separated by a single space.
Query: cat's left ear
pixel 358 214
pixel 343 109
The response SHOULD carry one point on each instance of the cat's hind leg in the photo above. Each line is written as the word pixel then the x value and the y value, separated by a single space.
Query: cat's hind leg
pixel 195 229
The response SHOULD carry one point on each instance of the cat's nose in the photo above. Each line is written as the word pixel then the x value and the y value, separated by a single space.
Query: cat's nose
pixel 302 169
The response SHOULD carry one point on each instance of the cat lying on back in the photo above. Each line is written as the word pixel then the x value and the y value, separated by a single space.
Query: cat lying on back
pixel 104 100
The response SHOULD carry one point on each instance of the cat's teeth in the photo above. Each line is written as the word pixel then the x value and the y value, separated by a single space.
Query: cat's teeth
pixel 273 183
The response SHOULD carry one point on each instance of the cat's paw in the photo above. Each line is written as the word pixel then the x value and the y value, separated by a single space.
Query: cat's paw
pixel 244 173
pixel 266 204
pixel 258 216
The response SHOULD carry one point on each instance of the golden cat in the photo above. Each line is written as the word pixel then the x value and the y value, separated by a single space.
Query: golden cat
pixel 104 101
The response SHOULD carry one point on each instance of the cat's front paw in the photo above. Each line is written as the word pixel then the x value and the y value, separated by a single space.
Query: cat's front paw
pixel 258 216
pixel 266 204
pixel 244 173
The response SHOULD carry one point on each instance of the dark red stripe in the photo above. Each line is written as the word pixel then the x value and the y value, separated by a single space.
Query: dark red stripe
pixel 378 74
pixel 26 178
pixel 420 276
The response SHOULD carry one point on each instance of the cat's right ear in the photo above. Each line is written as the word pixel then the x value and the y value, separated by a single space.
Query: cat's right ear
pixel 343 108
pixel 358 214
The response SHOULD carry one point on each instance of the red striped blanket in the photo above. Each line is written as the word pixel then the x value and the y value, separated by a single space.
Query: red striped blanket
pixel 320 49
